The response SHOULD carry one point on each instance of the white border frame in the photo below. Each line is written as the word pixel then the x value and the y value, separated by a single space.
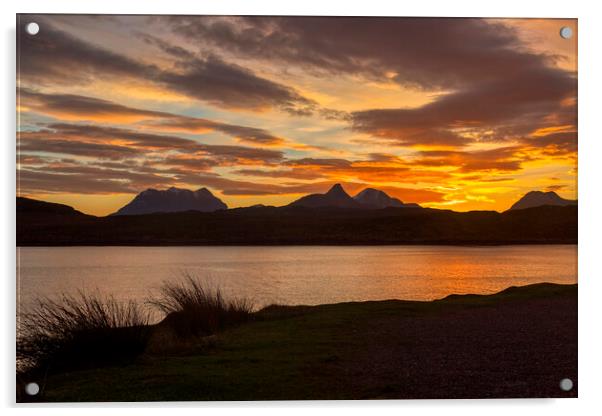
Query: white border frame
pixel 590 201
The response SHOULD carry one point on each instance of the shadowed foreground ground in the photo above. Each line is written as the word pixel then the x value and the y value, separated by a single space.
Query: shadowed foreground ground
pixel 518 343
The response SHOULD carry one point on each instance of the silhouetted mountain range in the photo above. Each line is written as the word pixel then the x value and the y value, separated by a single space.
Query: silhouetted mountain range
pixel 178 200
pixel 538 199
pixel 318 222
pixel 172 200
pixel 336 197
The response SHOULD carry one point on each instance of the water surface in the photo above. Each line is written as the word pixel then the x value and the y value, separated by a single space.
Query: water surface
pixel 295 274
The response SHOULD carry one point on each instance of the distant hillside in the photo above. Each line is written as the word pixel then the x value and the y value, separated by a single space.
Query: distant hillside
pixel 172 200
pixel 47 223
pixel 296 225
pixel 537 199
pixel 33 206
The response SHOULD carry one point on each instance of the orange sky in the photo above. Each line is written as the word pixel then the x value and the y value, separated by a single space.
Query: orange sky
pixel 461 114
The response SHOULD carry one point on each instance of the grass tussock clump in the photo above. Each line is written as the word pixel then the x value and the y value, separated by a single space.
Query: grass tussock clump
pixel 192 308
pixel 82 330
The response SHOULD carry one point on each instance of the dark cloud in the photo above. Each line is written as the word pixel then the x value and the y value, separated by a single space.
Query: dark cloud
pixel 102 134
pixel 98 176
pixel 236 187
pixel 426 52
pixel 77 148
pixel 80 107
pixel 555 144
pixel 497 110
pixel 91 140
pixel 232 86
pixel 304 174
pixel 250 134
pixel 170 49
pixel 196 164
pixel 243 155
pixel 54 57
pixel 309 162
pixel 496 87
pixel 391 169
pixel 384 157
pixel 242 133
pixel 487 178
pixel 501 159
pixel 87 181
pixel 332 114
pixel 26 159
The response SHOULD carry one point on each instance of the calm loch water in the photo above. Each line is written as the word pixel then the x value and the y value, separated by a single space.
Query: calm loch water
pixel 297 274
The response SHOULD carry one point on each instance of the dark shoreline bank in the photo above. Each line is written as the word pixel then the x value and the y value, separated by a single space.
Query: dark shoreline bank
pixel 341 244
pixel 42 224
pixel 516 343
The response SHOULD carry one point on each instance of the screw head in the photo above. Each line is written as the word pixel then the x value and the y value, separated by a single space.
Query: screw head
pixel 566 32
pixel 566 384
pixel 32 389
pixel 32 28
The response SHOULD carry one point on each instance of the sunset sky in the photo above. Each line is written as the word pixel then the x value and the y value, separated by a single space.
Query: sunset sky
pixel 462 114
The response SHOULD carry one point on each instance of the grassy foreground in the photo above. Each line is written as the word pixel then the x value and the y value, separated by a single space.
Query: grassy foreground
pixel 518 343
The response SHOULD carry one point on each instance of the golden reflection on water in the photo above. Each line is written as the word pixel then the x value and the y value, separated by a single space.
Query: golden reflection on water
pixel 296 275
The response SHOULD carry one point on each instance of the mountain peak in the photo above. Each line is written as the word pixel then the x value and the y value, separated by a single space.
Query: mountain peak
pixel 335 197
pixel 172 200
pixel 203 191
pixel 534 193
pixel 337 190
pixel 371 192
pixel 538 198
pixel 375 198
